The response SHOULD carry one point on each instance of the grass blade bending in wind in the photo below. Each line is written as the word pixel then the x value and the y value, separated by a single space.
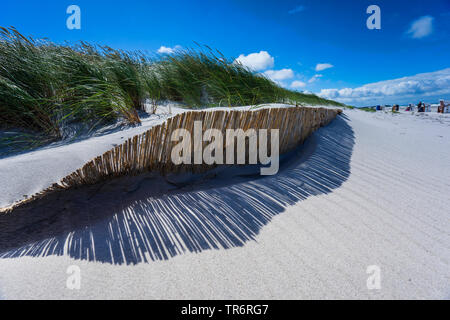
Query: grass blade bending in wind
pixel 46 88
pixel 27 84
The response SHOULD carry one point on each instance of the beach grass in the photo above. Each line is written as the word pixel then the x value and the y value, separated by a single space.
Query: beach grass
pixel 367 109
pixel 47 87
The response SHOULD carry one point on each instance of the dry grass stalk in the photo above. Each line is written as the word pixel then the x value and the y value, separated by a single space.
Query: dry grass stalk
pixel 151 150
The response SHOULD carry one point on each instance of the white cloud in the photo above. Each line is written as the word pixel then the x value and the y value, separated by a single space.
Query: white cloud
pixel 279 75
pixel 297 84
pixel 414 87
pixel 323 66
pixel 256 61
pixel 421 27
pixel 297 9
pixel 315 77
pixel 168 50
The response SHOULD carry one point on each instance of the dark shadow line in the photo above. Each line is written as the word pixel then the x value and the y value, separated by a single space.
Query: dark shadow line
pixel 139 219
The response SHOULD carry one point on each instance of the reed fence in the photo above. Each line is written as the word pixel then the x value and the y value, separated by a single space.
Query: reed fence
pixel 151 150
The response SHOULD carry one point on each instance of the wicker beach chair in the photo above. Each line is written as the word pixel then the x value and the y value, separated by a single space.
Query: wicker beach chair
pixel 444 106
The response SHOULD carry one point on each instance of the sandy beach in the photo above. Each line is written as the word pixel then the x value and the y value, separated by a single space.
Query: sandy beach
pixel 370 189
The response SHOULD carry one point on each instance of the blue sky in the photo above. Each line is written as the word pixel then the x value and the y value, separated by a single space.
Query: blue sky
pixel 318 46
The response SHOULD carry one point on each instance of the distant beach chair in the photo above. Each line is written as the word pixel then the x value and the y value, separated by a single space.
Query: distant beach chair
pixel 444 107
pixel 420 107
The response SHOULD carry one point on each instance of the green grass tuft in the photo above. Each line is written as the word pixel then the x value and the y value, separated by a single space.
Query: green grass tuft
pixel 367 109
pixel 47 87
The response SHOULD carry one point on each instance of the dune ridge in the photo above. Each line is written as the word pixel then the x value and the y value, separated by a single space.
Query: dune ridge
pixel 150 151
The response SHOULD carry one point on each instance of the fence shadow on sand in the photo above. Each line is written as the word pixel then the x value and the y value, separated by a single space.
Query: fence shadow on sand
pixel 148 217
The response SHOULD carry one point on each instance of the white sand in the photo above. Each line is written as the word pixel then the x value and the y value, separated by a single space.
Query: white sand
pixel 371 190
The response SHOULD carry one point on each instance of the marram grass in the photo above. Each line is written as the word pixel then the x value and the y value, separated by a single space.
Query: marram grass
pixel 46 87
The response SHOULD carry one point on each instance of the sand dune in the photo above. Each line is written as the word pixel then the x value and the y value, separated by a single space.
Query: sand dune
pixel 369 189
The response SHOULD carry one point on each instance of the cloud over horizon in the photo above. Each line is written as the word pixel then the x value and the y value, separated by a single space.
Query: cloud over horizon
pixel 256 61
pixel 315 78
pixel 297 84
pixel 279 75
pixel 168 50
pixel 421 27
pixel 323 66
pixel 416 87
